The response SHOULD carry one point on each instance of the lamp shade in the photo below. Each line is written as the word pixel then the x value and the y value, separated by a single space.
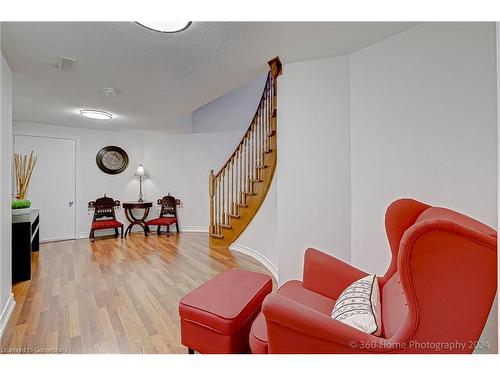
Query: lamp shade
pixel 141 172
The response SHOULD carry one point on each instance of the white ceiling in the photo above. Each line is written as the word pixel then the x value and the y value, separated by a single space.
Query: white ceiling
pixel 161 77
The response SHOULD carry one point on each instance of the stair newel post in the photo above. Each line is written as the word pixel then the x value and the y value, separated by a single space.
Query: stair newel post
pixel 217 199
pixel 276 70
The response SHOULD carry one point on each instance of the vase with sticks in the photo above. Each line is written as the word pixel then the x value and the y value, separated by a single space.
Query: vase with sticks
pixel 23 168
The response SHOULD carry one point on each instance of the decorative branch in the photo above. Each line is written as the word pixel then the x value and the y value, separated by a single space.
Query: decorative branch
pixel 23 167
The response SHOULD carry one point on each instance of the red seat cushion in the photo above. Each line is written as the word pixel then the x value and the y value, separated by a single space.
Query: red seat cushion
pixel 106 224
pixel 258 335
pixel 226 302
pixel 295 291
pixel 162 221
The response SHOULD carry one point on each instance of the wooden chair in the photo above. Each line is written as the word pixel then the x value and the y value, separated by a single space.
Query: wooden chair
pixel 168 214
pixel 104 215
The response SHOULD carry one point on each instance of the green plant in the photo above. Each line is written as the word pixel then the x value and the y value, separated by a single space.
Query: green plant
pixel 21 203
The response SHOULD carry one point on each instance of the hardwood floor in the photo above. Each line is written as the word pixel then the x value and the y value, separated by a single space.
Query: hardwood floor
pixel 113 295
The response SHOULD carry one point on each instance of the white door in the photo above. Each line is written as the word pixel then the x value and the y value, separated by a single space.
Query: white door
pixel 52 185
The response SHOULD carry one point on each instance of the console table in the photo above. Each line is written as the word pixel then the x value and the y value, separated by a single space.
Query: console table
pixel 25 240
pixel 128 207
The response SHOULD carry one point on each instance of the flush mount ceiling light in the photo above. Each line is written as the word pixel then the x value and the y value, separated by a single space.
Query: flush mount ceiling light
pixel 96 114
pixel 166 27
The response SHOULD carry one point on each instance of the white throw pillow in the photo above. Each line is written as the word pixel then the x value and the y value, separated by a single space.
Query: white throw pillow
pixel 359 306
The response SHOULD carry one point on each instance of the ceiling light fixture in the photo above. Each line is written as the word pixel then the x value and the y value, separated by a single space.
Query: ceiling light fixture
pixel 95 114
pixel 166 27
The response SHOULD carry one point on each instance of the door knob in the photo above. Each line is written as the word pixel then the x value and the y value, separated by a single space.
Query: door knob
pixel 70 203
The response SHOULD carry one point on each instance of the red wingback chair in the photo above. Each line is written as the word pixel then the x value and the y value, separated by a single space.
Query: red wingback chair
pixel 168 214
pixel 435 296
pixel 104 215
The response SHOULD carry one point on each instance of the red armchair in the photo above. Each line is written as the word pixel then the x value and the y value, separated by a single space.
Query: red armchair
pixel 436 294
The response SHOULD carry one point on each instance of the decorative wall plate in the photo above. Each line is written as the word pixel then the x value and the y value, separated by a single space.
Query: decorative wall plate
pixel 112 159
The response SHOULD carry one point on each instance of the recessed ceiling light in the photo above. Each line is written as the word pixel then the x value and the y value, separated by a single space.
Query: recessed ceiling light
pixel 96 114
pixel 166 27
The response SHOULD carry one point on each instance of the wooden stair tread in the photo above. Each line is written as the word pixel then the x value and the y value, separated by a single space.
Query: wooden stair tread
pixel 234 216
pixel 252 180
pixel 225 226
pixel 261 166
pixel 249 193
pixel 242 205
pixel 215 235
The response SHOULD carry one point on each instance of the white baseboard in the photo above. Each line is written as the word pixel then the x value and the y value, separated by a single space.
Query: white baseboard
pixel 256 255
pixel 6 313
pixel 56 239
pixel 195 228
pixel 185 228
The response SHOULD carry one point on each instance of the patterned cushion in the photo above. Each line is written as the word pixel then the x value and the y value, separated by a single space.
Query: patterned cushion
pixel 162 221
pixel 359 306
pixel 106 224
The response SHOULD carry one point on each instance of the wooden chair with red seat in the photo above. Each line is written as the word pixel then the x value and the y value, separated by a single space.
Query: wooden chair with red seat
pixel 104 215
pixel 168 214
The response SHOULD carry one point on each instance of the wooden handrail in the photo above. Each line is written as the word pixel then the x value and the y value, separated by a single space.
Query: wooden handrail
pixel 275 71
pixel 247 131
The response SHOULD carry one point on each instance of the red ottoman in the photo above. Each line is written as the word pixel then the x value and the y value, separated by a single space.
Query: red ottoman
pixel 217 316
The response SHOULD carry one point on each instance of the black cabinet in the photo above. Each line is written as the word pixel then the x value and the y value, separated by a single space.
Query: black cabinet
pixel 25 240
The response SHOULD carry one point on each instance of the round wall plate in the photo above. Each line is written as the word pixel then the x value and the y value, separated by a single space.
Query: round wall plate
pixel 112 159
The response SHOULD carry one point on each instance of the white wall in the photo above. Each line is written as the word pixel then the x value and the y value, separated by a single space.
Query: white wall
pixel 6 300
pixel 260 236
pixel 230 112
pixel 313 162
pixel 423 125
pixel 176 163
pixel 180 164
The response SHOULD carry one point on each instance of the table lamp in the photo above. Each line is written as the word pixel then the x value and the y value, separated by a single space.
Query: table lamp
pixel 141 174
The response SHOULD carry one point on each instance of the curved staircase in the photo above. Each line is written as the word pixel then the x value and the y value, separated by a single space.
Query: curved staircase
pixel 239 188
